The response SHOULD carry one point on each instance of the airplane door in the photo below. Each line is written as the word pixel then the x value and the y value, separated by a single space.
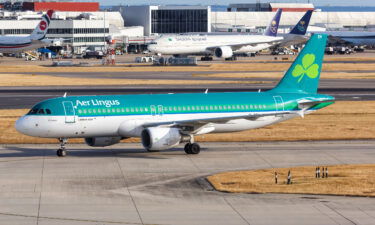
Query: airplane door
pixel 279 103
pixel 69 112
pixel 160 110
pixel 153 110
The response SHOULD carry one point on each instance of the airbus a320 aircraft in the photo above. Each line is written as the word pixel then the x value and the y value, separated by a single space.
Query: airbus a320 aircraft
pixel 163 121
pixel 14 44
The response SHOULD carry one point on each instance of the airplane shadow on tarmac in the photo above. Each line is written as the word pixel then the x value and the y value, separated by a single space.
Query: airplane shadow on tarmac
pixel 89 152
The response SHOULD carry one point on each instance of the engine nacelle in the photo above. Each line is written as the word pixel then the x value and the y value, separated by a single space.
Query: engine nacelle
pixel 102 141
pixel 224 52
pixel 160 138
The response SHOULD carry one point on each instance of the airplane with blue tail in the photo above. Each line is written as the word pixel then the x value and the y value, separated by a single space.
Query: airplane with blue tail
pixel 164 121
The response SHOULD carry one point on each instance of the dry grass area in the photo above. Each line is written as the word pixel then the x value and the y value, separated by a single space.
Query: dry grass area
pixel 341 121
pixel 251 66
pixel 43 80
pixel 278 75
pixel 353 180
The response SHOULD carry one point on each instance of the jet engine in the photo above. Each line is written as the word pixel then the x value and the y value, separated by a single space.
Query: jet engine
pixel 160 138
pixel 223 52
pixel 102 141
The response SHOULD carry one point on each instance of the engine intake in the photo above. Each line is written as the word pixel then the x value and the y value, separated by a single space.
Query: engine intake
pixel 224 52
pixel 102 141
pixel 160 138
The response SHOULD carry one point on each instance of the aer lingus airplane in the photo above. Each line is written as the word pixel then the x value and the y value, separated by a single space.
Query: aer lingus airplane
pixel 14 44
pixel 163 121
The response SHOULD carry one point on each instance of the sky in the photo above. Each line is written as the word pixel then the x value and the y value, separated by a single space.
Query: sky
pixel 226 2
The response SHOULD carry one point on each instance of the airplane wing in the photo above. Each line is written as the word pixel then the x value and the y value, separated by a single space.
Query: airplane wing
pixel 195 125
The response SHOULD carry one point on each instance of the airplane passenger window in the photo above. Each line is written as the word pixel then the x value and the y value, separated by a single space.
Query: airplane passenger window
pixel 48 111
pixel 246 107
pixel 146 110
pixel 94 110
pixel 141 109
pixel 122 110
pixel 192 108
pixel 99 111
pixel 225 107
pixel 127 109
pixel 79 111
pixel 118 110
pixel 188 108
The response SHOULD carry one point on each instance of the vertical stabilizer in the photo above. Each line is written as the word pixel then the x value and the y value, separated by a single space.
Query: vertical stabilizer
pixel 303 76
pixel 301 27
pixel 40 31
pixel 274 25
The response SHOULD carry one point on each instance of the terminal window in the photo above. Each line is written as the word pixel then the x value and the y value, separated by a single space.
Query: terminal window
pixel 179 21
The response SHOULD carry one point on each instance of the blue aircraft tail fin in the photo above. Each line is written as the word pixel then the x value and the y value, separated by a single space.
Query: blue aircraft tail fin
pixel 303 75
pixel 274 25
pixel 301 26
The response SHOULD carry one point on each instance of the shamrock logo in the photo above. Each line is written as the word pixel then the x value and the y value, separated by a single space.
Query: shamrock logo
pixel 307 68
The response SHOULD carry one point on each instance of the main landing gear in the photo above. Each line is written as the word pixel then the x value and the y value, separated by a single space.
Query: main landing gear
pixel 61 152
pixel 192 148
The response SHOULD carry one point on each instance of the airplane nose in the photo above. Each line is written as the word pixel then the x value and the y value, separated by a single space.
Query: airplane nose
pixel 23 125
pixel 20 124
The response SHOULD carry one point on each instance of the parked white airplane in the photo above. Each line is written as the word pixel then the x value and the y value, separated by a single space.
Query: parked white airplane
pixel 225 46
pixel 15 44
pixel 222 46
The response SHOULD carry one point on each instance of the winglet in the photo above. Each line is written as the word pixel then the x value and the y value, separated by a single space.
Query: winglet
pixel 274 25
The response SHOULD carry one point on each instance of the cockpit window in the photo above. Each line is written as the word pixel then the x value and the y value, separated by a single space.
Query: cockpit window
pixel 38 111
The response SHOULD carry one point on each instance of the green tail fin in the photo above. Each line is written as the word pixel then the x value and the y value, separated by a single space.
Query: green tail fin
pixel 303 76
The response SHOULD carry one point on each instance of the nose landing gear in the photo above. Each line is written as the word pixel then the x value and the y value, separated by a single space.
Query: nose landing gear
pixel 61 152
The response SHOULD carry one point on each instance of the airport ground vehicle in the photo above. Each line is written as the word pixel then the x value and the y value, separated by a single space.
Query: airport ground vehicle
pixel 93 55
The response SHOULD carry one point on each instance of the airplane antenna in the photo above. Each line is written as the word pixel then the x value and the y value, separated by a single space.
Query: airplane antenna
pixel 65 94
pixel 206 91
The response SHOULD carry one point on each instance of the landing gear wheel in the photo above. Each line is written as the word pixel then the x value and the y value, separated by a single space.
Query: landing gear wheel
pixel 61 152
pixel 195 149
pixel 187 148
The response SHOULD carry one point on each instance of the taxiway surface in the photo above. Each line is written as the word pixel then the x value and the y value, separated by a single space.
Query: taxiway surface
pixel 124 184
